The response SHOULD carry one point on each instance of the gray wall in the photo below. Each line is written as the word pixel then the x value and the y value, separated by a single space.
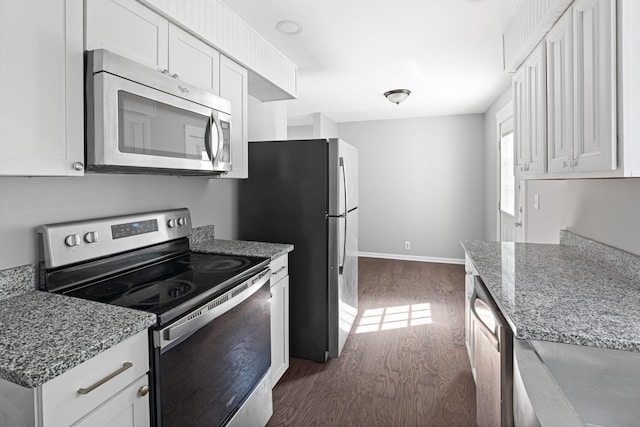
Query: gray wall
pixel 300 132
pixel 267 120
pixel 491 179
pixel 606 210
pixel 421 180
pixel 26 203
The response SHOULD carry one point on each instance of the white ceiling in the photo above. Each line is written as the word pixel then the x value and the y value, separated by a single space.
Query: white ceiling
pixel 447 52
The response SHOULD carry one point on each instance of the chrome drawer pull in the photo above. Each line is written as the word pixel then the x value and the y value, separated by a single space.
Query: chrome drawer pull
pixel 125 366
pixel 279 270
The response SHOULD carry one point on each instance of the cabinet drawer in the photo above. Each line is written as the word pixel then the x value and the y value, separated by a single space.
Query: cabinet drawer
pixel 63 403
pixel 279 269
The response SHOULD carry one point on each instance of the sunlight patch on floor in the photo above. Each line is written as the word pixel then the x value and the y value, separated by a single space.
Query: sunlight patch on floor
pixel 402 316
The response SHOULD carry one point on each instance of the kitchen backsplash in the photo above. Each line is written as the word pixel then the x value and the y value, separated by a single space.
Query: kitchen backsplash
pixel 623 262
pixel 16 281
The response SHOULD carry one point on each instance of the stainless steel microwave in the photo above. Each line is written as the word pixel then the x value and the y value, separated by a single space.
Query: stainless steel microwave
pixel 141 120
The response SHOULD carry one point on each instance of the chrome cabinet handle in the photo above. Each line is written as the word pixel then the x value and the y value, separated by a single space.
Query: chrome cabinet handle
pixel 164 71
pixel 517 224
pixel 279 270
pixel 175 76
pixel 125 366
pixel 78 166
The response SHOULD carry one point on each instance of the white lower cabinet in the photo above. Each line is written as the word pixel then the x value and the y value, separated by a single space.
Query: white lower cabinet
pixel 279 318
pixel 110 389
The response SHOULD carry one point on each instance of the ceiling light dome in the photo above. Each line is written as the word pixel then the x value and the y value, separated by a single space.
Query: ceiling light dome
pixel 289 27
pixel 397 95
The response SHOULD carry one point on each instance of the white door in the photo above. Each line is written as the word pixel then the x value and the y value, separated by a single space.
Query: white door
pixel 506 166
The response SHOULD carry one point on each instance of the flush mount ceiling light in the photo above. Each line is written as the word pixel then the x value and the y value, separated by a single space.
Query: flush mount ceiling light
pixel 397 95
pixel 289 27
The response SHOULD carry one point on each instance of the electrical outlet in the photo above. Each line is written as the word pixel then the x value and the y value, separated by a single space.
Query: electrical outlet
pixel 407 245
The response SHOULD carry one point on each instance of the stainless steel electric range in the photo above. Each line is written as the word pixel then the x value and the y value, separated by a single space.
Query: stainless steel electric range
pixel 211 349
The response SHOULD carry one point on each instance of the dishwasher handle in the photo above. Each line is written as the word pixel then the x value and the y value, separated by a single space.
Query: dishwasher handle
pixel 486 331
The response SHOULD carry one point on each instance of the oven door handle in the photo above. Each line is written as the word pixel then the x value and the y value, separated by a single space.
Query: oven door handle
pixel 205 314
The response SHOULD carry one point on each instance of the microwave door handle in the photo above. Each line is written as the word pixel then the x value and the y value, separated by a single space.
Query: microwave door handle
pixel 217 147
pixel 207 138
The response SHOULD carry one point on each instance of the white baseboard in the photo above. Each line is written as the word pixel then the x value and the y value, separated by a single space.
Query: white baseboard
pixel 412 258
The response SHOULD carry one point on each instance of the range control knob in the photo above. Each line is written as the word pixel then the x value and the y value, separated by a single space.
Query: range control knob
pixel 72 240
pixel 172 223
pixel 182 221
pixel 91 237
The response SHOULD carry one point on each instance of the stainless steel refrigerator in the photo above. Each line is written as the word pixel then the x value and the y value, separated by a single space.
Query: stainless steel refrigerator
pixel 305 192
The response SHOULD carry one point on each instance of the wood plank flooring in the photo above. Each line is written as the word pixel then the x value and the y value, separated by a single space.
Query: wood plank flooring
pixel 397 375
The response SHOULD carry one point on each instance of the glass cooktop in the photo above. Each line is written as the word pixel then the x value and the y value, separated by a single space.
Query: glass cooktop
pixel 172 287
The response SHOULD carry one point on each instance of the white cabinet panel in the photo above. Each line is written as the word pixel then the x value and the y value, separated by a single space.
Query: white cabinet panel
pixel 129 408
pixel 279 329
pixel 233 87
pixel 41 107
pixel 559 43
pixel 279 318
pixel 193 61
pixel 530 115
pixel 595 79
pixel 128 28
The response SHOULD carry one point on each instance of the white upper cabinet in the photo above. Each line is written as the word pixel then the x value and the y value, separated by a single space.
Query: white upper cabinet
pixel 594 35
pixel 193 61
pixel 559 43
pixel 233 87
pixel 566 110
pixel 128 28
pixel 41 106
pixel 530 113
pixel 271 76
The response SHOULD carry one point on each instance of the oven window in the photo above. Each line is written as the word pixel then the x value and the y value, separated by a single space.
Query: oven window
pixel 204 379
pixel 152 128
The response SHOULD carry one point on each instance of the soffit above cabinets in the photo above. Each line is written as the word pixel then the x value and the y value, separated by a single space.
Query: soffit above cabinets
pixel 530 22
pixel 271 75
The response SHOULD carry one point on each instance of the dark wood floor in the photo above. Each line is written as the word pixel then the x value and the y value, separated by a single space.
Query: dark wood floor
pixel 405 376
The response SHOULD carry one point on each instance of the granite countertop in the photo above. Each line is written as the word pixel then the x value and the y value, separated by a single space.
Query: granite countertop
pixel 44 334
pixel 561 293
pixel 241 247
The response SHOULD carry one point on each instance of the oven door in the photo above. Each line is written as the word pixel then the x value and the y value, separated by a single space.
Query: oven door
pixel 132 127
pixel 208 362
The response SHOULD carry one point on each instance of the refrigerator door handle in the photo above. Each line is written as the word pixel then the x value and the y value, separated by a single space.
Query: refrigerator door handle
pixel 344 215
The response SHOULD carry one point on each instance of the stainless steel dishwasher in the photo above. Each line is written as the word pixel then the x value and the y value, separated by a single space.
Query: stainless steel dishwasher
pixel 493 345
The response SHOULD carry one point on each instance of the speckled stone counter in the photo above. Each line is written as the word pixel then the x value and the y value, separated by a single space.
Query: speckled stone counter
pixel 44 335
pixel 556 293
pixel 241 247
pixel 16 281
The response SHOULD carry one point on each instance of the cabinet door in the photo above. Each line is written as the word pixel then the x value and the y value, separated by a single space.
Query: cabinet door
pixel 559 45
pixel 520 122
pixel 233 87
pixel 595 79
pixel 41 106
pixel 193 61
pixel 129 408
pixel 279 329
pixel 128 28
pixel 536 99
